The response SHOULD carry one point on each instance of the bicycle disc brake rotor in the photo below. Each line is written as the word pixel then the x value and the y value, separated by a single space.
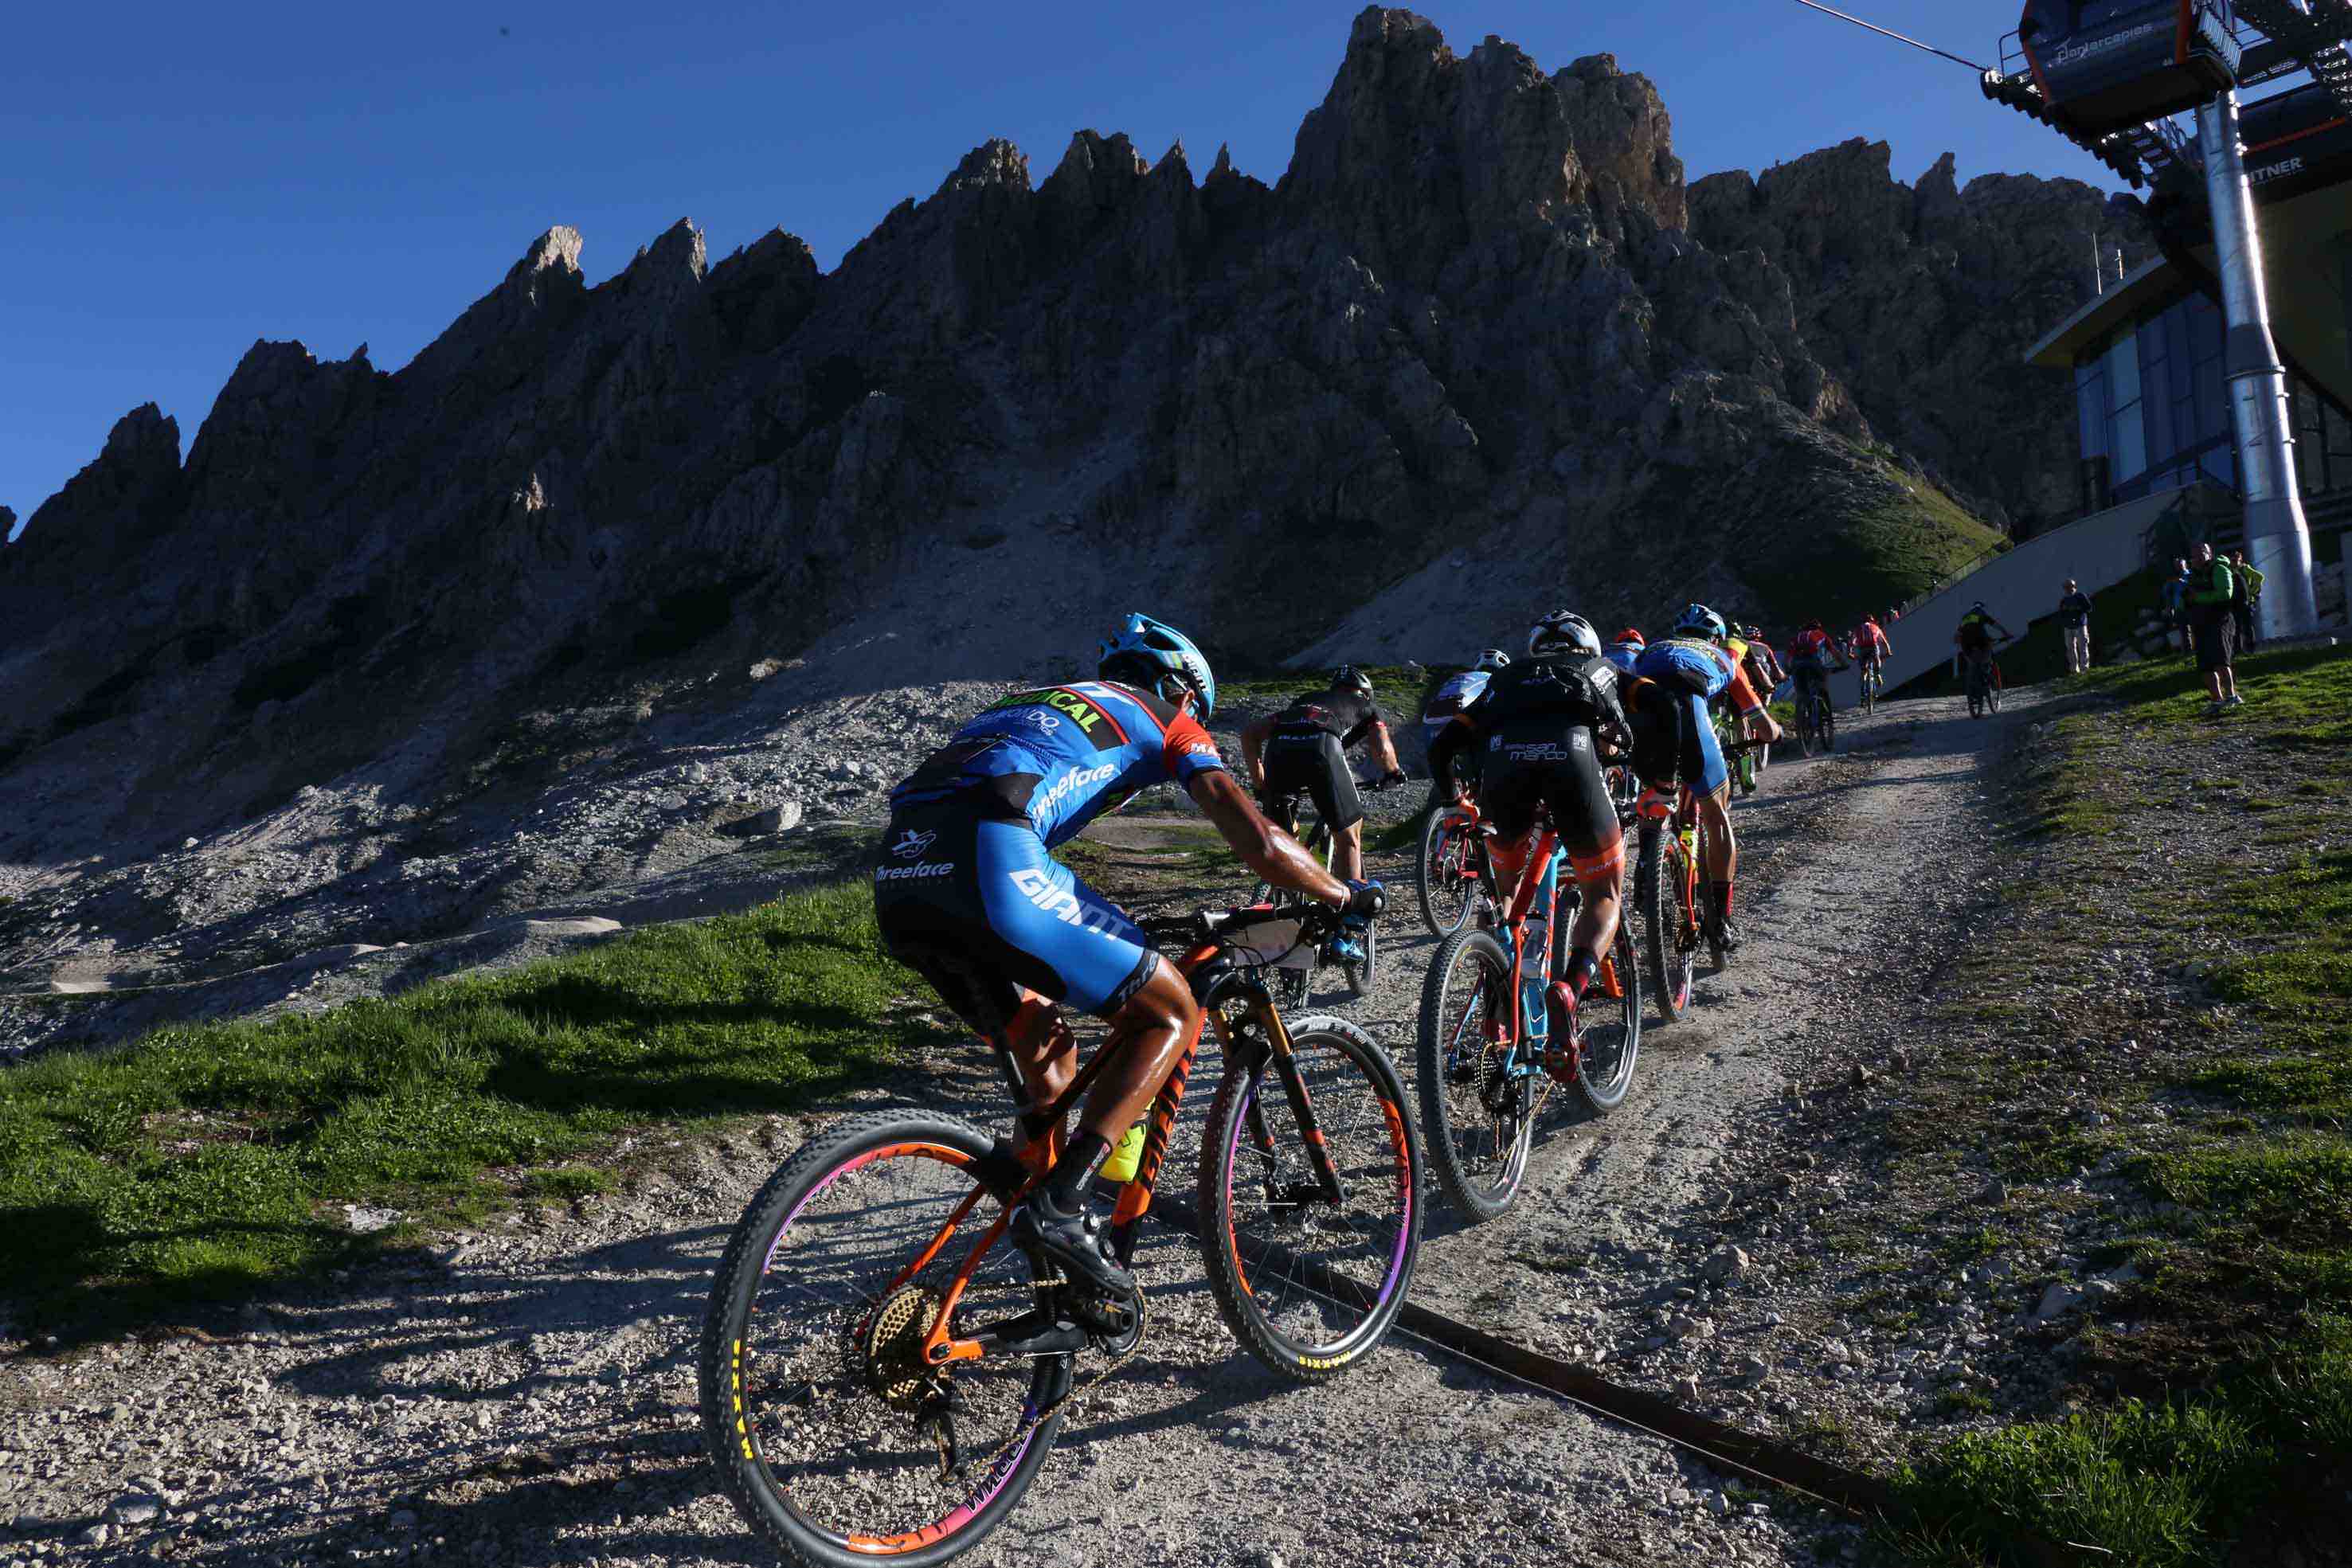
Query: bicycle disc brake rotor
pixel 894 1346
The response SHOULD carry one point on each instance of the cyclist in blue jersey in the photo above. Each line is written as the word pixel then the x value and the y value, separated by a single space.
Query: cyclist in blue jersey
pixel 1624 650
pixel 1454 695
pixel 968 896
pixel 1673 739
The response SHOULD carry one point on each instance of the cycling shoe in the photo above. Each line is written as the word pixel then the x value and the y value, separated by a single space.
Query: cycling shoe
pixel 1348 948
pixel 1073 1238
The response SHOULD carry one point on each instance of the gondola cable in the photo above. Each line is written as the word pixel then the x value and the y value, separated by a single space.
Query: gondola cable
pixel 1815 6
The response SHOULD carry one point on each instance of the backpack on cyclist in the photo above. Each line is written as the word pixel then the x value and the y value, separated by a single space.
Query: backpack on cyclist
pixel 2239 598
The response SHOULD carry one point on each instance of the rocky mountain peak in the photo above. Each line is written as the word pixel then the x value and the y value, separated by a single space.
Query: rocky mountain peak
pixel 1481 313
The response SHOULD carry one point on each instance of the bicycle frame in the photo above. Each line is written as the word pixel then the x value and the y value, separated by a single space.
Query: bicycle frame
pixel 1043 1148
pixel 1533 878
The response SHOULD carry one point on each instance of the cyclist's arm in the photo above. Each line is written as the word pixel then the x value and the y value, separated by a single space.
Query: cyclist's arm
pixel 1253 736
pixel 1445 748
pixel 1383 749
pixel 1269 853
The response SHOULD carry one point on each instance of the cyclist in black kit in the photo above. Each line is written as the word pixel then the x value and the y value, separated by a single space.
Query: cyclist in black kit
pixel 1542 724
pixel 1304 746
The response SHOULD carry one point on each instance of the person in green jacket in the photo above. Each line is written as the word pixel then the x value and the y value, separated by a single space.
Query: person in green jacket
pixel 2215 633
pixel 2249 585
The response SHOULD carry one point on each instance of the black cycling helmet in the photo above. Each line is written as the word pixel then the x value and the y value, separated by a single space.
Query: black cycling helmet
pixel 1348 678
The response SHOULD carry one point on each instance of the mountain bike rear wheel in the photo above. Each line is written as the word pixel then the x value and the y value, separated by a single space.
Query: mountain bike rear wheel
pixel 1610 1026
pixel 1310 1285
pixel 1658 887
pixel 1477 1116
pixel 830 1435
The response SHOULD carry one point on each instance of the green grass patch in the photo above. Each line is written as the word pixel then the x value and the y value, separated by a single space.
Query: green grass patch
pixel 207 1161
pixel 2251 1284
pixel 2161 1484
pixel 1901 539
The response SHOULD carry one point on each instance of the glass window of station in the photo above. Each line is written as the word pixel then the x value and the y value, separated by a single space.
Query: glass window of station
pixel 2153 411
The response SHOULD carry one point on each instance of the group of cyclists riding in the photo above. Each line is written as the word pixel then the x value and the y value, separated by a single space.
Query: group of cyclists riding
pixel 1551 740
pixel 968 895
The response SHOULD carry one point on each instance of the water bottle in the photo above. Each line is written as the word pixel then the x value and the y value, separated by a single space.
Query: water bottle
pixel 1124 1159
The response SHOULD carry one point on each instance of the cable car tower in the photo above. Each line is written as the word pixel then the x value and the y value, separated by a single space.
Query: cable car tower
pixel 2107 75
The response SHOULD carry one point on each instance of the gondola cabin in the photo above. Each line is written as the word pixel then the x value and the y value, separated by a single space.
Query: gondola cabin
pixel 2103 65
pixel 2297 141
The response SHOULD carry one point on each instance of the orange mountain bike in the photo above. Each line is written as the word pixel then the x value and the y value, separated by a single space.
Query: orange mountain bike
pixel 1668 875
pixel 1485 1032
pixel 883 1374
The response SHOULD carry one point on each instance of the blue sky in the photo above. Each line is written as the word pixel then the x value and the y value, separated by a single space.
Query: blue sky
pixel 180 180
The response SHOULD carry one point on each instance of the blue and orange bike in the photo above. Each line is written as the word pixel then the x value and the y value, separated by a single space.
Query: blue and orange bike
pixel 1485 1032
pixel 883 1373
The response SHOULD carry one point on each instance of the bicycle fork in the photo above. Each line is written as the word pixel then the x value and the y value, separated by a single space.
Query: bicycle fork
pixel 1269 1045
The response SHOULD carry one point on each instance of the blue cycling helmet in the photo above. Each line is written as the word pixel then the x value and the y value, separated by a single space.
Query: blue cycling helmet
pixel 1698 618
pixel 1146 654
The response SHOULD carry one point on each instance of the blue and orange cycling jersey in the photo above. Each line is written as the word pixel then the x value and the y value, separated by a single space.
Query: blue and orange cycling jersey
pixel 1062 756
pixel 1694 666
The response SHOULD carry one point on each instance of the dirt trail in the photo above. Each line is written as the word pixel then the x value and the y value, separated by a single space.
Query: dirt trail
pixel 527 1396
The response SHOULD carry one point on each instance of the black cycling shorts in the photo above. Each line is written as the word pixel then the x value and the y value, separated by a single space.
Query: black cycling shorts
pixel 1543 764
pixel 974 903
pixel 1314 761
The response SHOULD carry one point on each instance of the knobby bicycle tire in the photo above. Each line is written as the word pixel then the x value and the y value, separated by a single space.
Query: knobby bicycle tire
pixel 1480 1184
pixel 1604 1094
pixel 1658 882
pixel 1715 956
pixel 739 1430
pixel 1268 1298
pixel 1445 827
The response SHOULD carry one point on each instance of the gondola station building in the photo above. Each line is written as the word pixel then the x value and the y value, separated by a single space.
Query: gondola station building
pixel 2188 368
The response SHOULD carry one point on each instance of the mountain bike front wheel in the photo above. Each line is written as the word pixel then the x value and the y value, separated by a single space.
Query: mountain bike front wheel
pixel 1608 1023
pixel 1659 881
pixel 1477 1114
pixel 835 1441
pixel 1359 975
pixel 1447 875
pixel 1310 1200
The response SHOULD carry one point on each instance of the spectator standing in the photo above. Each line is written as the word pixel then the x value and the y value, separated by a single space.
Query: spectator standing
pixel 2249 585
pixel 2215 630
pixel 2075 626
pixel 2176 606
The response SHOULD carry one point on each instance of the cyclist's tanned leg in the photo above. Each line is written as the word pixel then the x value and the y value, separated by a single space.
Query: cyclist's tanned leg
pixel 1147 1035
pixel 1722 849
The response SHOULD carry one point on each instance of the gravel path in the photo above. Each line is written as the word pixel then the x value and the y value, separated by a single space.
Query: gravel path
pixel 526 1394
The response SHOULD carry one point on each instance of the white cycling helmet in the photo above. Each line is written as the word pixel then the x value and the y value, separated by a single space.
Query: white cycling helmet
pixel 1562 631
pixel 1492 659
